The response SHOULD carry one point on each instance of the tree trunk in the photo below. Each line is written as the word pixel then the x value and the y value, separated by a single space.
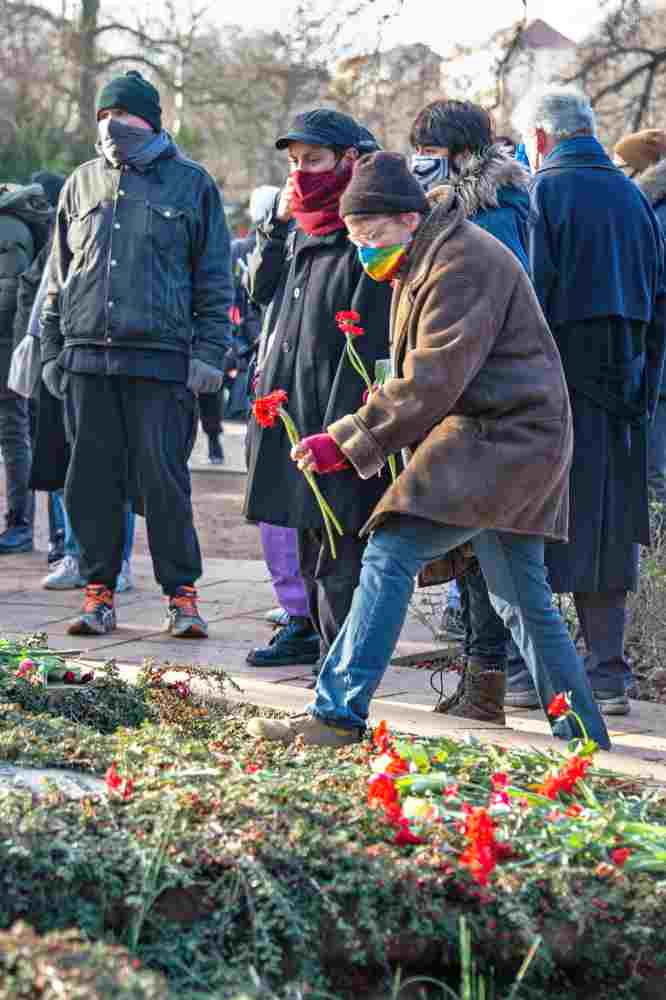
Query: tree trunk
pixel 87 66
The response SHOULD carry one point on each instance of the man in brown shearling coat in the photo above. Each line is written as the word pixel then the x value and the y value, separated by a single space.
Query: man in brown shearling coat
pixel 479 401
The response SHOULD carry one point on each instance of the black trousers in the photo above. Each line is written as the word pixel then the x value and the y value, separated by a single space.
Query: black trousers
pixel 211 409
pixel 131 439
pixel 329 583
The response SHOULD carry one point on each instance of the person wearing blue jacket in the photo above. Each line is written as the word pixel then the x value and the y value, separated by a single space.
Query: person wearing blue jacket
pixel 454 145
pixel 596 254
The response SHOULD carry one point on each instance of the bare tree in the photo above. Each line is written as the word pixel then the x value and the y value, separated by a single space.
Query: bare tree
pixel 623 67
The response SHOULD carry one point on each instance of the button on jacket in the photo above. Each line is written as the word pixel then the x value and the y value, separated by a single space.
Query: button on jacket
pixel 141 259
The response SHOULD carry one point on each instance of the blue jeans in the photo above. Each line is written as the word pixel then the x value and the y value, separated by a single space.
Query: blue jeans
pixel 657 455
pixel 513 566
pixel 71 546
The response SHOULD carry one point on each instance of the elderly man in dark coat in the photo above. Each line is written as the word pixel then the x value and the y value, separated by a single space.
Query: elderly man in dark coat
pixel 597 265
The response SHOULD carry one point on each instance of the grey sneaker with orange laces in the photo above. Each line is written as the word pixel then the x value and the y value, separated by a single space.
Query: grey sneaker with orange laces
pixel 183 618
pixel 98 615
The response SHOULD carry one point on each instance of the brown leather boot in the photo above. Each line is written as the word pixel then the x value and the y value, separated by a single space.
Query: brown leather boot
pixel 480 694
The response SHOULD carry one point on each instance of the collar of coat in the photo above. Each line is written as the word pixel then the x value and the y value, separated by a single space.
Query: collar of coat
pixel 652 183
pixel 447 213
pixel 483 176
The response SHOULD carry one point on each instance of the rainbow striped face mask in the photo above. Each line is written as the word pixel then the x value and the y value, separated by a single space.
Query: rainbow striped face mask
pixel 382 263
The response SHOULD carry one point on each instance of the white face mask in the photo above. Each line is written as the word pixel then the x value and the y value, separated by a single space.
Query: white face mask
pixel 430 171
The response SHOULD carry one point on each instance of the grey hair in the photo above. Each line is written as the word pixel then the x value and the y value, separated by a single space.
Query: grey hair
pixel 559 111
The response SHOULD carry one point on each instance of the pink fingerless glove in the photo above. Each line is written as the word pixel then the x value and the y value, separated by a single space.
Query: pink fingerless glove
pixel 327 455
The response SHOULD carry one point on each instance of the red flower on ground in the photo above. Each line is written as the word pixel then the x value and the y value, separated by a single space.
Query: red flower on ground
pixel 381 736
pixel 112 778
pixel 559 706
pixel 574 810
pixel 481 854
pixel 398 764
pixel 115 783
pixel 566 778
pixel 266 408
pixel 69 677
pixel 404 835
pixel 381 789
pixel 620 855
pixel 499 780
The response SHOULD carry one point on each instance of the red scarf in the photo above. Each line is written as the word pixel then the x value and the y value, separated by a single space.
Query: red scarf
pixel 316 203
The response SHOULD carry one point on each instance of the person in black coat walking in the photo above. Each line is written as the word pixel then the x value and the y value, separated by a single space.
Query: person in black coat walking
pixel 597 263
pixel 309 272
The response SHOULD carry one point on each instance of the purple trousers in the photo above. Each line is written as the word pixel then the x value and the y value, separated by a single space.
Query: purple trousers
pixel 281 554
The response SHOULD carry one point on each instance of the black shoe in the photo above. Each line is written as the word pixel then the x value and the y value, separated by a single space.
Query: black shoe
pixel 296 644
pixel 17 537
pixel 609 686
pixel 56 548
pixel 215 450
pixel 453 625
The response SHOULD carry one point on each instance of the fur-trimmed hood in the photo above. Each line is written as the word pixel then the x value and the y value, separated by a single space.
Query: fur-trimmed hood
pixel 484 178
pixel 652 183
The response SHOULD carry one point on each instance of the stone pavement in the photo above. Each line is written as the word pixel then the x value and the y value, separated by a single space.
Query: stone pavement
pixel 234 596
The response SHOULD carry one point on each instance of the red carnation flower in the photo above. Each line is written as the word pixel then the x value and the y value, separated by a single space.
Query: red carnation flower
pixel 559 706
pixel 266 408
pixel 620 856
pixel 404 835
pixel 347 316
pixel 112 778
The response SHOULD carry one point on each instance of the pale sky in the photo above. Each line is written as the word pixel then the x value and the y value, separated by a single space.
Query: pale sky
pixel 439 23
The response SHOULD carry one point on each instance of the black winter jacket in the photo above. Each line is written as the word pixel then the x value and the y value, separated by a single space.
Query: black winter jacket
pixel 140 260
pixel 312 278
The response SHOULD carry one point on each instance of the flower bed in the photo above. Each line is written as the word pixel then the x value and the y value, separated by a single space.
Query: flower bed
pixel 212 856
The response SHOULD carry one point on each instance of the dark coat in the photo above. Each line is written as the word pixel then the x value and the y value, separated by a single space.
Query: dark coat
pixel 597 258
pixel 594 242
pixel 480 397
pixel 493 189
pixel 313 278
pixel 140 259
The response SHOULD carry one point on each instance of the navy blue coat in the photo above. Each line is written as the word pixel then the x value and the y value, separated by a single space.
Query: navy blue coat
pixel 594 240
pixel 597 257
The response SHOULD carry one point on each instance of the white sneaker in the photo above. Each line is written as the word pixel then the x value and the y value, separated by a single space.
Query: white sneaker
pixel 65 576
pixel 124 580
pixel 277 616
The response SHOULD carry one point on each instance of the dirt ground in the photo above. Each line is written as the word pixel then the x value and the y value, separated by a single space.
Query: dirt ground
pixel 222 529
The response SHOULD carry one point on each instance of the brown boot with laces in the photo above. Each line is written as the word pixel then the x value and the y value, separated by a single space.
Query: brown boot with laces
pixel 479 696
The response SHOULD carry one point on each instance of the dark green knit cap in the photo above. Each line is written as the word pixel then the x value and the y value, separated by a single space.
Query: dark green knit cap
pixel 134 94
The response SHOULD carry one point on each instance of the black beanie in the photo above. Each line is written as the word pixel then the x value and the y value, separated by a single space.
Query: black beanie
pixel 134 94
pixel 382 185
pixel 51 183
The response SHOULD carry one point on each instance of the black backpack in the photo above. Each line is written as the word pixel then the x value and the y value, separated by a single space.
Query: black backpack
pixel 25 217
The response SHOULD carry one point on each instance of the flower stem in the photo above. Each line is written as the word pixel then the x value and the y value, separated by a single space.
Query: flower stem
pixel 330 520
pixel 357 362
pixel 393 466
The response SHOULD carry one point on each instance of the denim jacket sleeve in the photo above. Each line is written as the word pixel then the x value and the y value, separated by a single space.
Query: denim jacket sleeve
pixel 212 287
pixel 58 266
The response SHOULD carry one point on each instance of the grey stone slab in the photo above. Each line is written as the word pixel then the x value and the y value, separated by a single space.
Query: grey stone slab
pixel 73 784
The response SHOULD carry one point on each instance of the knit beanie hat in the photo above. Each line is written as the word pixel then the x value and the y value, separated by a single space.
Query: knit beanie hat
pixel 642 149
pixel 132 93
pixel 382 185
